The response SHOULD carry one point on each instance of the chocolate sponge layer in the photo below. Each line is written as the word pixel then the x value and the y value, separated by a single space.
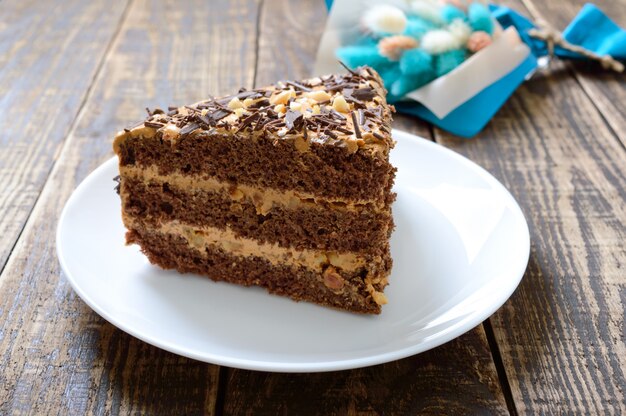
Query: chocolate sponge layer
pixel 323 170
pixel 298 283
pixel 362 231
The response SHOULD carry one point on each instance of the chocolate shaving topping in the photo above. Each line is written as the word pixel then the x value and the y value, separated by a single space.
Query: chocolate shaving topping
pixel 117 179
pixel 219 114
pixel 206 120
pixel 259 125
pixel 355 122
pixel 364 94
pixel 369 113
pixel 188 128
pixel 336 114
pixel 153 124
pixel 242 96
pixel 330 133
pixel 293 119
pixel 248 120
pixel 348 94
pixel 327 125
pixel 261 103
pixel 349 70
pixel 298 86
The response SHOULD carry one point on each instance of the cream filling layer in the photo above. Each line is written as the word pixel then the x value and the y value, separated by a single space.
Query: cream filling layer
pixel 203 237
pixel 263 199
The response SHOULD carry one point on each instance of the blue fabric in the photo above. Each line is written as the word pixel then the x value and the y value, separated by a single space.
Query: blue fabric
pixel 591 28
pixel 595 31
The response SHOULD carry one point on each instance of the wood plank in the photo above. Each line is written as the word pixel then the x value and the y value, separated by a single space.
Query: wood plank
pixel 606 89
pixel 49 56
pixel 562 333
pixel 56 355
pixel 456 378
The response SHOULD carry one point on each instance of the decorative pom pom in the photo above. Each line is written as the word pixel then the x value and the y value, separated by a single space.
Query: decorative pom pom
pixel 385 19
pixel 354 56
pixel 450 13
pixel 459 4
pixel 480 18
pixel 415 62
pixel 427 9
pixel 461 31
pixel 390 75
pixel 478 40
pixel 393 46
pixel 416 27
pixel 447 61
pixel 408 83
pixel 438 41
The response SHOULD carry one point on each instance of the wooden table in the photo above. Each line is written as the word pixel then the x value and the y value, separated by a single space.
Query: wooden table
pixel 72 74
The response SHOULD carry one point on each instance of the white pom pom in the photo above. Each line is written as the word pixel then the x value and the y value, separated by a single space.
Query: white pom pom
pixel 438 41
pixel 442 40
pixel 461 31
pixel 427 9
pixel 385 19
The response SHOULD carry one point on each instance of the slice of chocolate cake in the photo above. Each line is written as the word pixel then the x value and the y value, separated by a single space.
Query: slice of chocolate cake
pixel 286 187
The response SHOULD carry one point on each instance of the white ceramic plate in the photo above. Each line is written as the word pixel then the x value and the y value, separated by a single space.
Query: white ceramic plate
pixel 460 248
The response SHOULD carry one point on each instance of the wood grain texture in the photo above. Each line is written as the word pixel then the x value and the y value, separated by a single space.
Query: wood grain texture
pixel 56 355
pixel 561 335
pixel 456 378
pixel 606 89
pixel 555 145
pixel 48 58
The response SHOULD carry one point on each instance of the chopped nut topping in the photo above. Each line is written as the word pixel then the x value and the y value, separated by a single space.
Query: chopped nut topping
pixel 340 104
pixel 170 132
pixel 344 110
pixel 281 98
pixel 379 298
pixel 319 95
pixel 236 194
pixel 235 103
pixel 352 145
pixel 332 279
pixel 295 106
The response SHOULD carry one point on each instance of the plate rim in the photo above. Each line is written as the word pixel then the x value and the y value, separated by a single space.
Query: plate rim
pixel 464 325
